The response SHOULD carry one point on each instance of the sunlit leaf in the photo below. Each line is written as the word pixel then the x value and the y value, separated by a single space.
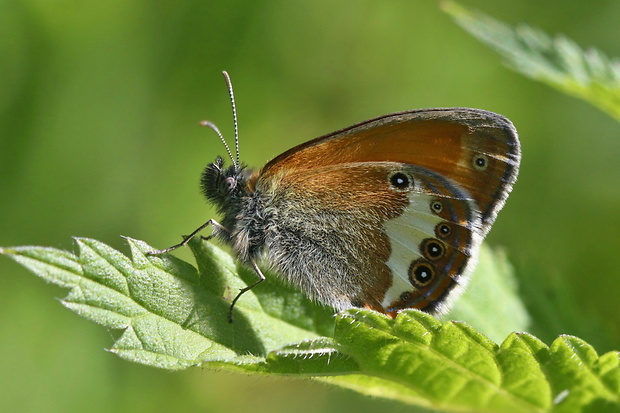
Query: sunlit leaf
pixel 171 315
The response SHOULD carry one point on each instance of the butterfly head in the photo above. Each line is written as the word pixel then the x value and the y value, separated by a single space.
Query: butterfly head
pixel 223 185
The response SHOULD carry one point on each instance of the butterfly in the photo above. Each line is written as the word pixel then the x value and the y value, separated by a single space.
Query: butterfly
pixel 387 214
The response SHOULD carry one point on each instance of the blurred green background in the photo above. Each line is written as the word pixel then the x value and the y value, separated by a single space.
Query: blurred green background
pixel 99 137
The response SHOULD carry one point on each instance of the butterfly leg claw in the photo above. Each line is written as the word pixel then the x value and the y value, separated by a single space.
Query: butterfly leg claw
pixel 187 239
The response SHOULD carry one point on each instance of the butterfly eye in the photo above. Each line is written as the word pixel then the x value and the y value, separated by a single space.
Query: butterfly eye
pixel 230 183
pixel 421 273
pixel 400 181
pixel 480 162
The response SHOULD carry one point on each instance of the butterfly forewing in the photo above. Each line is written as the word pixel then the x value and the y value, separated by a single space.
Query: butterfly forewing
pixel 476 149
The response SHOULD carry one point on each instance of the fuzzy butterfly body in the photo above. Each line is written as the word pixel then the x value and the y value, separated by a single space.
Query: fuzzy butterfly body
pixel 387 214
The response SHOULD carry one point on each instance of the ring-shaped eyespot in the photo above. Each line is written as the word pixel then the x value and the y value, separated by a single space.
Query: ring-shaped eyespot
pixel 406 297
pixel 432 249
pixel 480 162
pixel 443 230
pixel 421 273
pixel 436 207
pixel 400 181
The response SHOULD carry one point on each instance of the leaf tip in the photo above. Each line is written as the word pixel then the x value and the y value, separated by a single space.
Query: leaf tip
pixel 133 241
pixel 82 242
pixel 139 249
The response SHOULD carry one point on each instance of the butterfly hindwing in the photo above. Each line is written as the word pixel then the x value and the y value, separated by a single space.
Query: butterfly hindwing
pixel 434 244
pixel 387 236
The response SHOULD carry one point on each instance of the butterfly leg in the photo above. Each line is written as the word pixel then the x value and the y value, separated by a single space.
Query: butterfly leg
pixel 186 239
pixel 261 278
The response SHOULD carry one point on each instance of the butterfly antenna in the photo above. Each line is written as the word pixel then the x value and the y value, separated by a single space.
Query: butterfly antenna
pixel 234 111
pixel 211 125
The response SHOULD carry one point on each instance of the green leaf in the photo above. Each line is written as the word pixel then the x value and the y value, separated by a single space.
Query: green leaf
pixel 172 315
pixel 556 61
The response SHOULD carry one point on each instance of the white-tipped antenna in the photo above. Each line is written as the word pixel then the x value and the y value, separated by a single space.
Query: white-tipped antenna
pixel 219 134
pixel 211 125
pixel 234 111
